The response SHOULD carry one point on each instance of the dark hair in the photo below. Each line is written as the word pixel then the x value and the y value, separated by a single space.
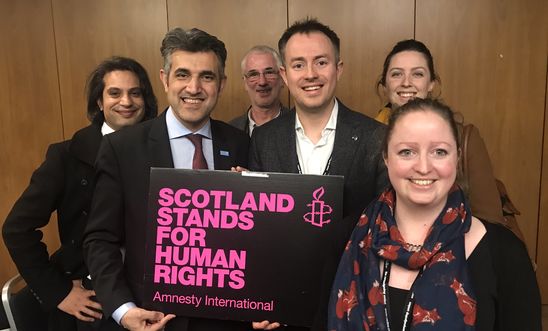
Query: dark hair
pixel 419 104
pixel 96 84
pixel 409 45
pixel 194 41
pixel 307 26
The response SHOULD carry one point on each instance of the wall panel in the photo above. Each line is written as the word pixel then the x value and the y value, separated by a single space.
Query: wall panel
pixel 493 66
pixel 240 24
pixel 542 245
pixel 368 29
pixel 89 31
pixel 29 94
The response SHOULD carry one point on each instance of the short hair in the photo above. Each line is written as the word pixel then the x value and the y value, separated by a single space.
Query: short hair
pixel 261 49
pixel 409 45
pixel 194 40
pixel 95 85
pixel 418 104
pixel 307 26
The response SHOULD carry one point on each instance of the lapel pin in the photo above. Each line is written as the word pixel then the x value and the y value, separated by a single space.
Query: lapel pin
pixel 355 138
pixel 224 153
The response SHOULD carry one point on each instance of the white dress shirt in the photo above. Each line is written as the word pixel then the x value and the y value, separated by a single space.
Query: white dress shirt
pixel 106 129
pixel 314 158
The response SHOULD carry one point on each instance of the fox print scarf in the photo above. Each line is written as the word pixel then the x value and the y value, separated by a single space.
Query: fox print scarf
pixel 441 298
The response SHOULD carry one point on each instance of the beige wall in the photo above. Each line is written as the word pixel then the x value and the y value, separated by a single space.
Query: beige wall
pixel 491 56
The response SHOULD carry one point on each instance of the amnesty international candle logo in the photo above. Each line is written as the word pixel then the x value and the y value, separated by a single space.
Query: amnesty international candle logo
pixel 226 246
pixel 320 210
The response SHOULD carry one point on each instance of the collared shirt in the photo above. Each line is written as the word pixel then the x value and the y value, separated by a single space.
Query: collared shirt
pixel 106 129
pixel 252 124
pixel 182 148
pixel 313 158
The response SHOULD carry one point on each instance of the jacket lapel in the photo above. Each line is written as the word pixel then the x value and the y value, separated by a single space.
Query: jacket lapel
pixel 85 144
pixel 287 147
pixel 347 140
pixel 223 155
pixel 158 144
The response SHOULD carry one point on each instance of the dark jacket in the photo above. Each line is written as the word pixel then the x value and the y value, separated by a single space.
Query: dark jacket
pixel 242 122
pixel 119 210
pixel 64 183
pixel 356 156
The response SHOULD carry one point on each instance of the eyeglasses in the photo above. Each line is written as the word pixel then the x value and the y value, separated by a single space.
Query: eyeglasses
pixel 253 76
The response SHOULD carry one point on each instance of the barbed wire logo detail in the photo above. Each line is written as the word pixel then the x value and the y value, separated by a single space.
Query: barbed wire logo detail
pixel 319 210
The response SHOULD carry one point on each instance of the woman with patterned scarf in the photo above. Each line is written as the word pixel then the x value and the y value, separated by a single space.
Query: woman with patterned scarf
pixel 418 259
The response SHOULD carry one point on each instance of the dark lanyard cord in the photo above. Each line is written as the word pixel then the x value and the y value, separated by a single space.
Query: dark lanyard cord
pixel 407 316
pixel 325 172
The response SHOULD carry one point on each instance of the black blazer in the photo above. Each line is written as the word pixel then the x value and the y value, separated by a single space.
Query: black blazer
pixel 119 207
pixel 63 183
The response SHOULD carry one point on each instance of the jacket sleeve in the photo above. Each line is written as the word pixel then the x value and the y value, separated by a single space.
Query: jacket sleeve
pixel 518 296
pixel 104 234
pixel 483 194
pixel 381 173
pixel 23 238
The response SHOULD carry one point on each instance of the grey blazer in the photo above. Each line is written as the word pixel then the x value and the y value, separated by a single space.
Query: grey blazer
pixel 356 154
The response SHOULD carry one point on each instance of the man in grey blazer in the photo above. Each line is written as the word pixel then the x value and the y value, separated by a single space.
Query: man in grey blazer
pixel 263 84
pixel 321 135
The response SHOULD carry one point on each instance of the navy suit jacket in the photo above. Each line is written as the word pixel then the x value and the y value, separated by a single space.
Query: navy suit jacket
pixel 119 208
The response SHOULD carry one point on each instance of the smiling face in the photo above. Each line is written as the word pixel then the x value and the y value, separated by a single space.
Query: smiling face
pixel 264 92
pixel 193 86
pixel 421 159
pixel 407 77
pixel 122 100
pixel 311 71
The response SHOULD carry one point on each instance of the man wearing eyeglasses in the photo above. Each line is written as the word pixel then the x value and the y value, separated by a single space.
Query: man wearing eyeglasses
pixel 262 81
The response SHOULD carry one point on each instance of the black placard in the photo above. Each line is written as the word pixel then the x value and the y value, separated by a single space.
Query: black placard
pixel 236 246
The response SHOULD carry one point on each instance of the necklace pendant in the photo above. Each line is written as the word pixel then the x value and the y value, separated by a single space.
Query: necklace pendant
pixel 412 247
